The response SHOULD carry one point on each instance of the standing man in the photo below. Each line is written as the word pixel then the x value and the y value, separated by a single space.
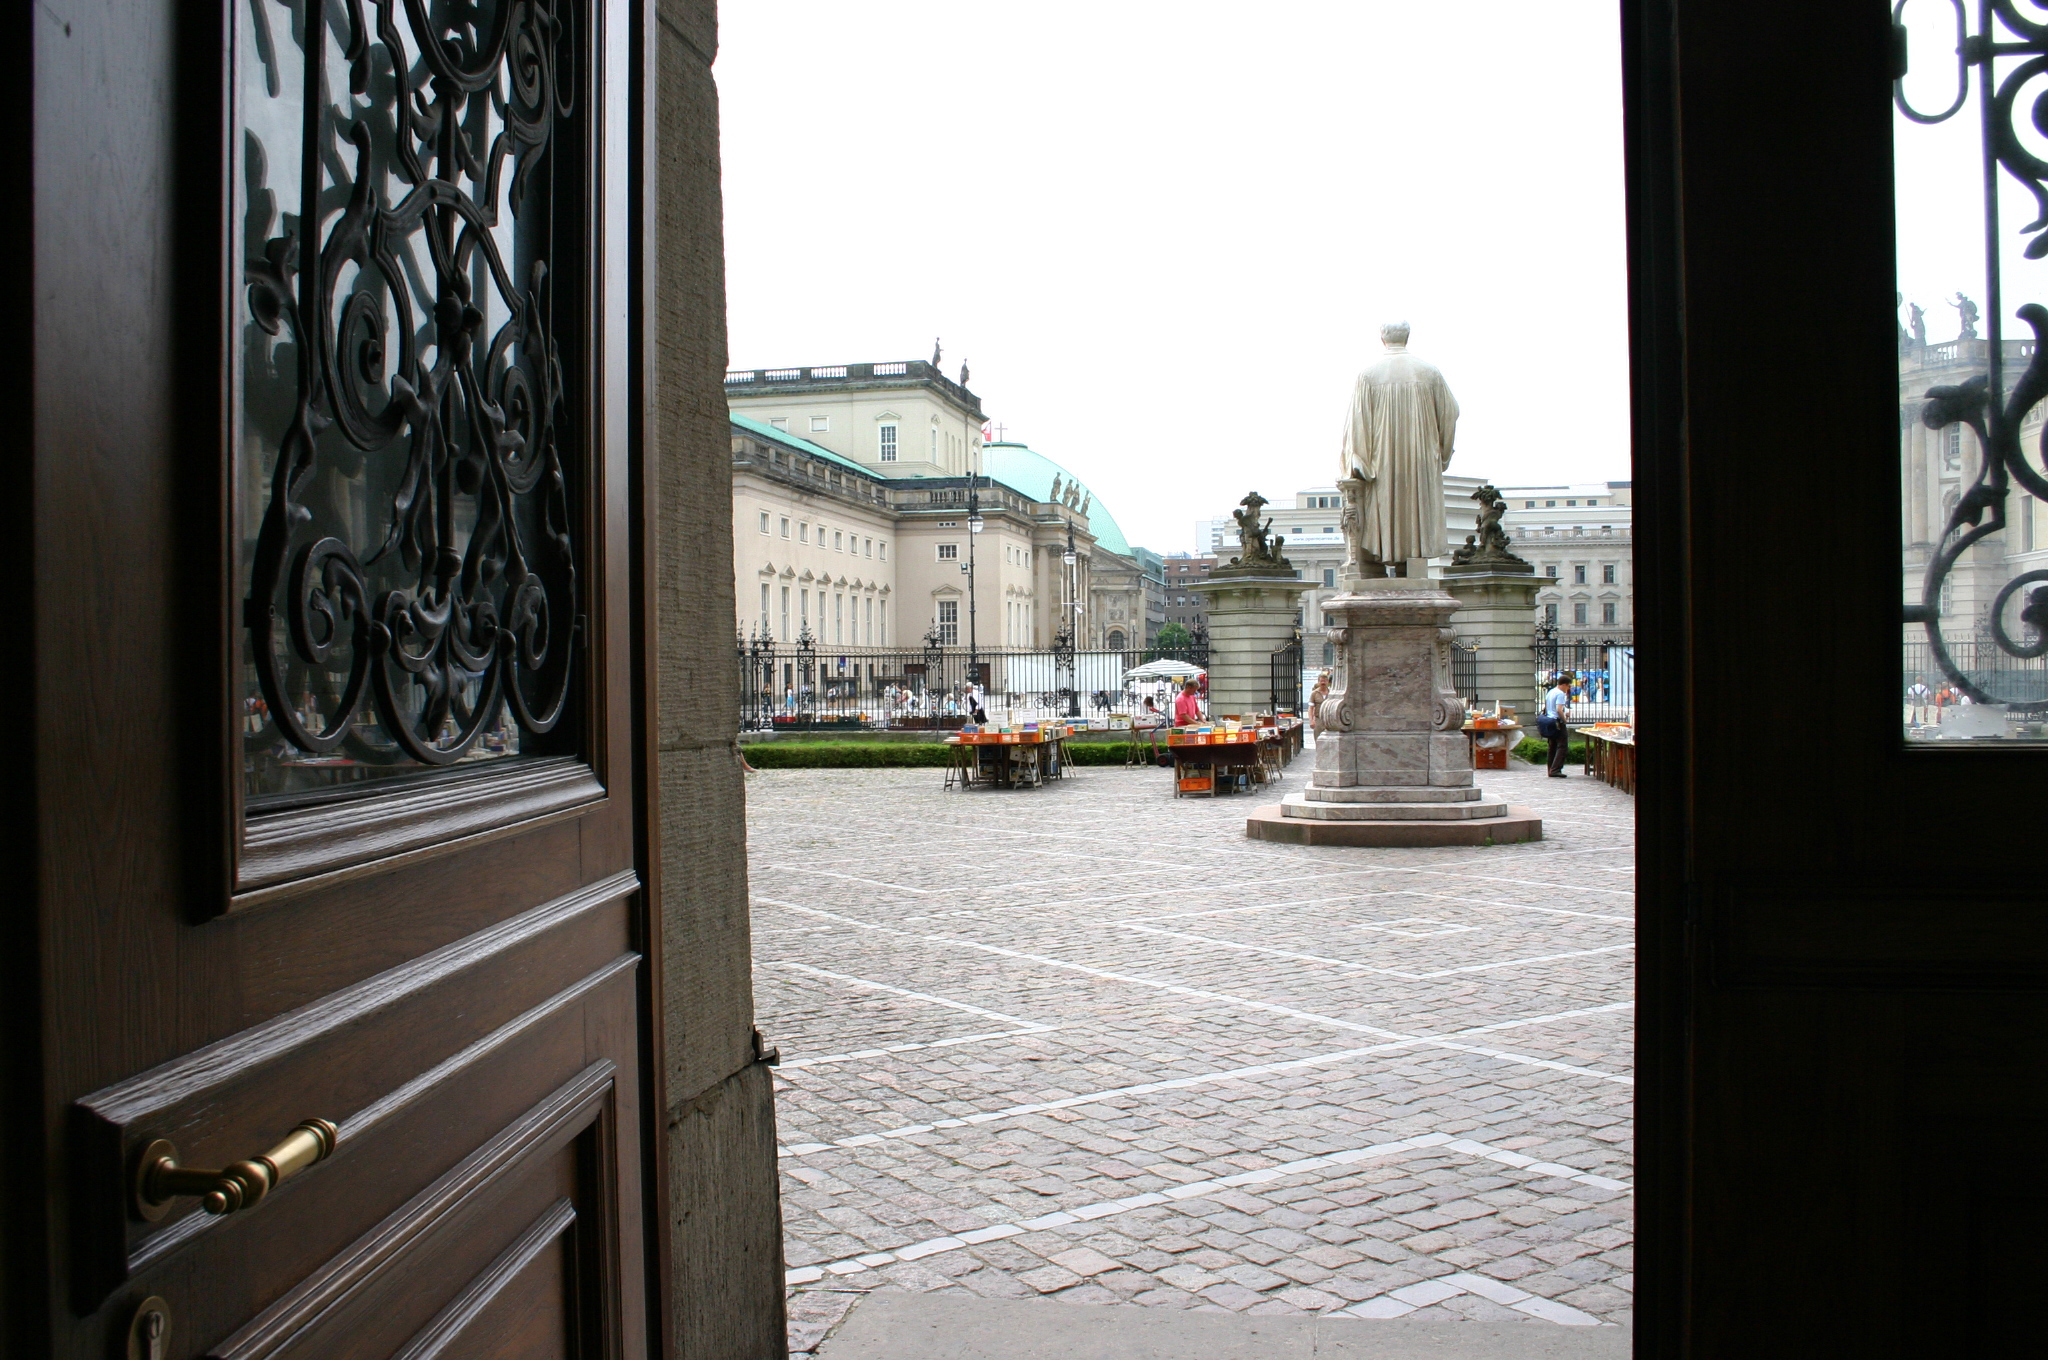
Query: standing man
pixel 1918 697
pixel 1555 722
pixel 1187 710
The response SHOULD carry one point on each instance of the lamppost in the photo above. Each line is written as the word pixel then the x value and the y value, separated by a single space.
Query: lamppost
pixel 806 653
pixel 1072 628
pixel 934 653
pixel 974 527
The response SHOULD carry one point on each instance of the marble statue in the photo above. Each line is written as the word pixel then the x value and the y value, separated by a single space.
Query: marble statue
pixel 1967 312
pixel 1397 443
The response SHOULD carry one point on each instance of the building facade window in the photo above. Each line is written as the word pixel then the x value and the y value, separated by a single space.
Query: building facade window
pixel 785 526
pixel 949 622
pixel 949 552
pixel 1329 578
pixel 1528 505
pixel 785 613
pixel 888 436
pixel 1579 575
pixel 764 604
pixel 1579 615
pixel 780 422
pixel 1551 571
pixel 838 618
pixel 1606 573
pixel 803 608
pixel 1610 613
pixel 867 547
pixel 1550 615
pixel 1592 504
pixel 803 532
pixel 882 550
pixel 883 610
pixel 764 521
pixel 836 539
pixel 821 424
pixel 871 620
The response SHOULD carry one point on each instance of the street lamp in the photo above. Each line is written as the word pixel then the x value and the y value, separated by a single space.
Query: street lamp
pixel 1073 625
pixel 974 526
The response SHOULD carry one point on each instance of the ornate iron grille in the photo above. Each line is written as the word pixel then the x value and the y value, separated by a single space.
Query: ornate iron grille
pixel 413 243
pixel 1985 403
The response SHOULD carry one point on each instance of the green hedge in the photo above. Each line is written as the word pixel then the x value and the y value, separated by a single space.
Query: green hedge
pixel 857 755
pixel 1536 751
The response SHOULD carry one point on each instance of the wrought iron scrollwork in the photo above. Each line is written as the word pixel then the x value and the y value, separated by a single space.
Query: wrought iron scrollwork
pixel 1984 403
pixel 412 299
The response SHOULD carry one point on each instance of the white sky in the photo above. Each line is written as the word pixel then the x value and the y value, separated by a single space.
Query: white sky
pixel 1940 191
pixel 1164 235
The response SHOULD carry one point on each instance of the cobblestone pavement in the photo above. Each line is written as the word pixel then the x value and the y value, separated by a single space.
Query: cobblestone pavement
pixel 1090 1042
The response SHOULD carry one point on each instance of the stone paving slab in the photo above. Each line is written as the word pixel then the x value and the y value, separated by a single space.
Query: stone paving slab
pixel 949 1326
pixel 1089 1043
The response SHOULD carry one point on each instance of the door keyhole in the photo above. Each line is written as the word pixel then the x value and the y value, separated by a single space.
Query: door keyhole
pixel 149 1332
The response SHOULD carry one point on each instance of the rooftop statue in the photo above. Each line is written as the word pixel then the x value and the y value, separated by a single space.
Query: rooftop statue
pixel 1397 443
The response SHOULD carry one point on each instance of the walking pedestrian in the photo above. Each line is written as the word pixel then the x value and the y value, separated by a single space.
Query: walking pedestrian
pixel 1555 721
pixel 1918 697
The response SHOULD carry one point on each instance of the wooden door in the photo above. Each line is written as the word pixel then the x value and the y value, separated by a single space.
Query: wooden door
pixel 329 512
pixel 1845 949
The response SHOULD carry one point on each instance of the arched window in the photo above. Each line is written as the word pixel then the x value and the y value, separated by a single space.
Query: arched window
pixel 1116 639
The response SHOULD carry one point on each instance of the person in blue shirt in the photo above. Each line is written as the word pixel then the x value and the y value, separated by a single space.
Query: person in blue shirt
pixel 1555 721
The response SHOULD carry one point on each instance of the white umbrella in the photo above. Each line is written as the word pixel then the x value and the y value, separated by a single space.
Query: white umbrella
pixel 1164 670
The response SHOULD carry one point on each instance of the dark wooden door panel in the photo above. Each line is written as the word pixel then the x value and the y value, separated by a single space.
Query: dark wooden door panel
pixel 453 965
pixel 522 1308
pixel 461 1258
pixel 441 1151
pixel 357 1057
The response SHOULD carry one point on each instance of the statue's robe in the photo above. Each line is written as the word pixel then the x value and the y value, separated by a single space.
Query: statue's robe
pixel 1398 437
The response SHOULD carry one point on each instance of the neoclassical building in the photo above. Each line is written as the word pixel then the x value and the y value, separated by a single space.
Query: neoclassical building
pixel 1936 468
pixel 850 488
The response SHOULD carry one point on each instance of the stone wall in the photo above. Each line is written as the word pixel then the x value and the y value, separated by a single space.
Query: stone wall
pixel 725 1222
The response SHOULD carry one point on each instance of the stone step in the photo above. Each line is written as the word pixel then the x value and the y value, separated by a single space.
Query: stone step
pixel 1406 793
pixel 1311 805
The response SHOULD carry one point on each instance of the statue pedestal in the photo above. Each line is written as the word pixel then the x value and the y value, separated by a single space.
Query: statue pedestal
pixel 1393 764
pixel 1497 610
pixel 1250 618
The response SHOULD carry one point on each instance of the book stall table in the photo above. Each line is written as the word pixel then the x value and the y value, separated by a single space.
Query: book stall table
pixel 1491 738
pixel 1611 753
pixel 1209 761
pixel 1025 758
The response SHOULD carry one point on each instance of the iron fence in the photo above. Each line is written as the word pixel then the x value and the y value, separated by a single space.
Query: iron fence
pixel 1465 667
pixel 1997 673
pixel 1603 667
pixel 1288 678
pixel 812 686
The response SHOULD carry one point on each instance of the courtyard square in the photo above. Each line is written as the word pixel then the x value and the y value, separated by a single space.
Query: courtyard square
pixel 1090 1042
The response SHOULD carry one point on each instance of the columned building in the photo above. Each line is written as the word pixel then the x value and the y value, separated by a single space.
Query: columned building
pixel 851 487
pixel 1937 467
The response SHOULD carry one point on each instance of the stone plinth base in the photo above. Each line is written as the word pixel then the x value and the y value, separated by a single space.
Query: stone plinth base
pixel 1517 824
pixel 1393 765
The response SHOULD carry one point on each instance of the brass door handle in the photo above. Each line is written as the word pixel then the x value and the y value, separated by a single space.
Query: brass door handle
pixel 159 1179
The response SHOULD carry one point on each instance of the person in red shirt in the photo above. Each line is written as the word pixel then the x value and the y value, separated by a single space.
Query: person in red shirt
pixel 1187 710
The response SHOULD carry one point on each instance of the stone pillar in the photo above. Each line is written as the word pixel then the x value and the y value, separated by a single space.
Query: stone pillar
pixel 1497 610
pixel 1393 764
pixel 1250 617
